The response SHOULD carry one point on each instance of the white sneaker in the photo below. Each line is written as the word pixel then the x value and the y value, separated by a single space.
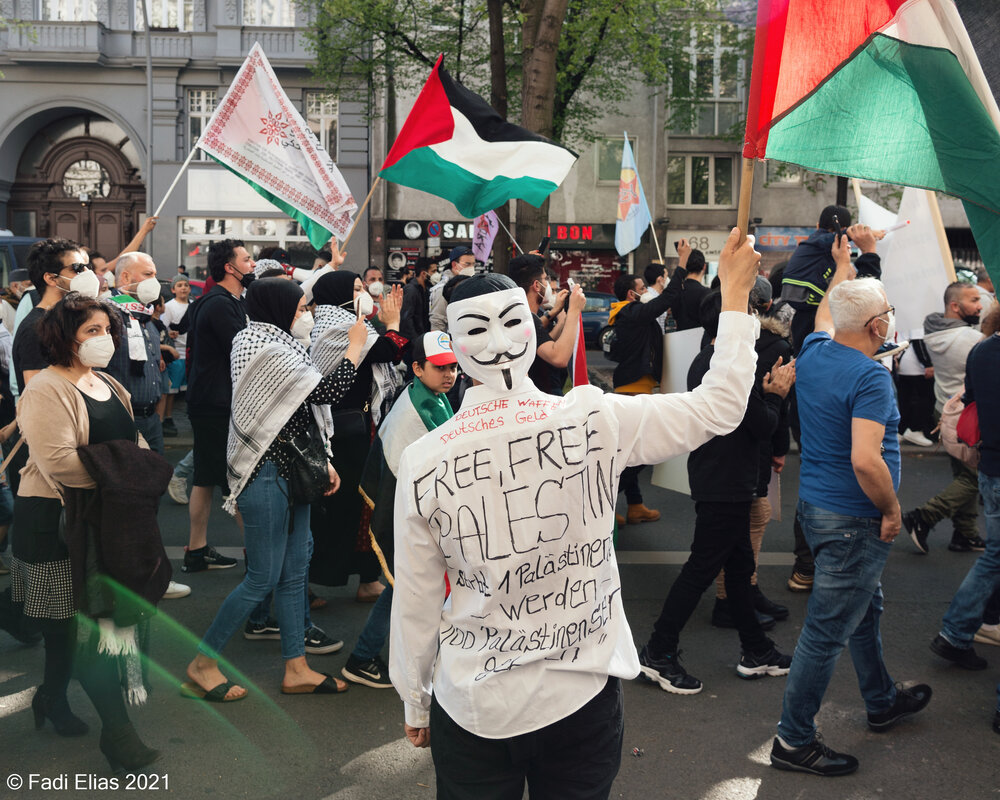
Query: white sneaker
pixel 917 438
pixel 177 489
pixel 176 590
pixel 988 634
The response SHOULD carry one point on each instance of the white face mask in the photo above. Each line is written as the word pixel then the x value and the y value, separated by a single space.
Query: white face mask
pixel 548 299
pixel 645 297
pixel 302 327
pixel 435 277
pixel 96 351
pixel 468 271
pixel 363 304
pixel 890 332
pixel 86 283
pixel 497 350
pixel 375 288
pixel 147 291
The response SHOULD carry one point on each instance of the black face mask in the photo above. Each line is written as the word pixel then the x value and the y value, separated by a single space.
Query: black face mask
pixel 247 279
pixel 971 319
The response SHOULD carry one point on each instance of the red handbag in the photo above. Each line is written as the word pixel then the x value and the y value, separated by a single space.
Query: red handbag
pixel 967 427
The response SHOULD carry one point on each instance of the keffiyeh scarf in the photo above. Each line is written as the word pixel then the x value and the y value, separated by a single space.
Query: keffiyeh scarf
pixel 272 376
pixel 330 343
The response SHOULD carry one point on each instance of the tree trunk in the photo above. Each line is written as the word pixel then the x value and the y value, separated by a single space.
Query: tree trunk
pixel 498 99
pixel 543 20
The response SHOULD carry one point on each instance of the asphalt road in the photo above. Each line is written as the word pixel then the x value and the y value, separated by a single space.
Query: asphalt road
pixel 711 746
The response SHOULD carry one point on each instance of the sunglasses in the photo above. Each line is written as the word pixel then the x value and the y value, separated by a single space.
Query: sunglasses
pixel 77 268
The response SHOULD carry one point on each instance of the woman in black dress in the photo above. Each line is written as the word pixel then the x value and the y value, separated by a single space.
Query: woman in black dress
pixel 67 406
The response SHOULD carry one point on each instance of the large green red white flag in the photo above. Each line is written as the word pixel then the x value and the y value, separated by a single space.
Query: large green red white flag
pixel 885 90
pixel 258 134
pixel 454 145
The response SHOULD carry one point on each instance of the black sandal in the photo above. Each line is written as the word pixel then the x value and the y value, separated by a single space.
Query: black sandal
pixel 328 686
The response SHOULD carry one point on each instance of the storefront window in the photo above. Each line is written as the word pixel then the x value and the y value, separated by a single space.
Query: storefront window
pixel 197 233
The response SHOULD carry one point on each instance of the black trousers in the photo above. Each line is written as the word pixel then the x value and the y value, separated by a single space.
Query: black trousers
pixel 721 539
pixel 576 758
pixel 915 395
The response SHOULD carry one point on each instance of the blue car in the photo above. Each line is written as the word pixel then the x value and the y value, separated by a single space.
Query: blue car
pixel 595 317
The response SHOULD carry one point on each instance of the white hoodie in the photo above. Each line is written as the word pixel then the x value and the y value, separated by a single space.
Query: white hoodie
pixel 948 341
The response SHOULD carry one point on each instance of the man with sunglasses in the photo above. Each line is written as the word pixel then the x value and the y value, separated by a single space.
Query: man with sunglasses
pixel 850 516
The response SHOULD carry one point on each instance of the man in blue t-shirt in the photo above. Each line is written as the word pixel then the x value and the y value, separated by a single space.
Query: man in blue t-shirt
pixel 850 516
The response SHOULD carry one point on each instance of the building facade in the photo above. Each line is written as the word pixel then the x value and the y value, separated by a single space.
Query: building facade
pixel 75 138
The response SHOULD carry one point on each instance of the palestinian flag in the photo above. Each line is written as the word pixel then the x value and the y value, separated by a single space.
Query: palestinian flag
pixel 454 145
pixel 885 90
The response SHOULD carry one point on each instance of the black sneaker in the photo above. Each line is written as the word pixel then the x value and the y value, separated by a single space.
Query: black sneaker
pixel 815 758
pixel 722 616
pixel 966 657
pixel 169 427
pixel 963 544
pixel 206 557
pixel 908 701
pixel 372 673
pixel 261 631
pixel 318 643
pixel 765 605
pixel 666 670
pixel 918 530
pixel 772 662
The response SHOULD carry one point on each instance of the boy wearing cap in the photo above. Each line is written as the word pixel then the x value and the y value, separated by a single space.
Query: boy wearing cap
pixel 420 407
pixel 463 262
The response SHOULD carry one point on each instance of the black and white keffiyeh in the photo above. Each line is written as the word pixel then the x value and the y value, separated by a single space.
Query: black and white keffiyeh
pixel 272 377
pixel 330 343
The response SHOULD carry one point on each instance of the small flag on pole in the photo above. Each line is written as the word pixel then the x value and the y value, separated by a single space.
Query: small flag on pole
pixel 633 213
pixel 257 134
pixel 454 145
pixel 485 230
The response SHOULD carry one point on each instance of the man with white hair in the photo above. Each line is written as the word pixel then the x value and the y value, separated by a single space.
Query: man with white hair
pixel 136 363
pixel 850 516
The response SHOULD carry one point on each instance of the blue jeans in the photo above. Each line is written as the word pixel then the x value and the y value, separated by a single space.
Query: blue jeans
pixel 844 608
pixel 277 560
pixel 185 469
pixel 376 630
pixel 965 614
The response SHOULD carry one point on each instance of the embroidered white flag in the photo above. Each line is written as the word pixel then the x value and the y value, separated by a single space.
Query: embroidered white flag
pixel 258 134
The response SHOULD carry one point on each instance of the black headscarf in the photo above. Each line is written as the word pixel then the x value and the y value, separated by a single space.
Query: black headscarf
pixel 335 289
pixel 274 300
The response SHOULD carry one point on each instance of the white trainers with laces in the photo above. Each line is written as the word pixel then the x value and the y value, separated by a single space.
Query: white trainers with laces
pixel 176 590
pixel 178 490
pixel 917 438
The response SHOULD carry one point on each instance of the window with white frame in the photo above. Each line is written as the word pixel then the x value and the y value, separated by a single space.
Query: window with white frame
pixel 200 105
pixel 700 180
pixel 608 152
pixel 169 14
pixel 69 10
pixel 707 82
pixel 269 13
pixel 322 113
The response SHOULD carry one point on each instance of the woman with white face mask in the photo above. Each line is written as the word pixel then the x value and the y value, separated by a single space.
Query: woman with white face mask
pixel 276 388
pixel 69 406
pixel 340 300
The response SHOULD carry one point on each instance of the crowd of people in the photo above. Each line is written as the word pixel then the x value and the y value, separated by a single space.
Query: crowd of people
pixel 305 389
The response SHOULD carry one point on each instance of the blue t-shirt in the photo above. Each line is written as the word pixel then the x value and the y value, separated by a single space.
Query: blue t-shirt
pixel 833 385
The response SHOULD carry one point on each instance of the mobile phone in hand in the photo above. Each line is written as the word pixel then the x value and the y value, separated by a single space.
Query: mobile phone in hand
pixel 543 245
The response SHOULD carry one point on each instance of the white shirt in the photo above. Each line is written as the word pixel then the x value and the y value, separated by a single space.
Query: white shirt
pixel 662 319
pixel 514 497
pixel 173 313
pixel 438 306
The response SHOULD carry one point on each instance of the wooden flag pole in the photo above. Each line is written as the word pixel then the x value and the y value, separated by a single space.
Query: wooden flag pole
pixel 177 177
pixel 746 188
pixel 357 217
pixel 942 237
pixel 656 241
pixel 856 185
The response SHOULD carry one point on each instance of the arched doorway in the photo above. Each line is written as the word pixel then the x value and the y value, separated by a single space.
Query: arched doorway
pixel 78 178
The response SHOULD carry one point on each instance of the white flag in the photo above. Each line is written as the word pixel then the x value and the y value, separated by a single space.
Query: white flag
pixel 258 134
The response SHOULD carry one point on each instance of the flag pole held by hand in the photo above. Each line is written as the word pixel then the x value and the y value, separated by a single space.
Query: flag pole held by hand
pixel 746 187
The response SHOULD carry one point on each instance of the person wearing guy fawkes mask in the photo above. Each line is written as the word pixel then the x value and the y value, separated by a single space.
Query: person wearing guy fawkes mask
pixel 137 363
pixel 513 500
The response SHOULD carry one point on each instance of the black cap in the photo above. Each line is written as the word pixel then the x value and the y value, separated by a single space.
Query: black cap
pixel 827 215
pixel 18 275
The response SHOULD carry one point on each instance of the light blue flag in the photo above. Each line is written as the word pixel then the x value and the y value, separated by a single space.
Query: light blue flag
pixel 633 213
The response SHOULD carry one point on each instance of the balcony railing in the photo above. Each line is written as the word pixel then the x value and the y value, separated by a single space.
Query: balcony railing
pixel 58 37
